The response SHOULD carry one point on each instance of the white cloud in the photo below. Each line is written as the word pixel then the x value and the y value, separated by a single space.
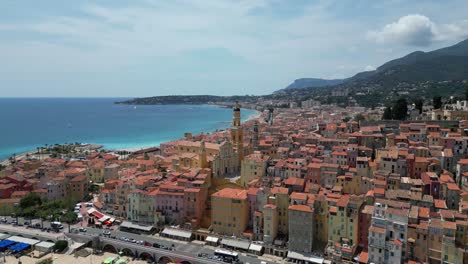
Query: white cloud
pixel 369 68
pixel 418 30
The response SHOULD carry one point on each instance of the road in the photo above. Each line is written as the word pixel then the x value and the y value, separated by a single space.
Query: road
pixel 184 248
pixel 189 248
pixel 158 252
pixel 30 232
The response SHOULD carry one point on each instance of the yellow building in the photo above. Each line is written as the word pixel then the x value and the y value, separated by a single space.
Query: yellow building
pixel 253 166
pixel 343 225
pixel 280 198
pixel 351 184
pixel 221 158
pixel 229 211
pixel 270 223
pixel 321 222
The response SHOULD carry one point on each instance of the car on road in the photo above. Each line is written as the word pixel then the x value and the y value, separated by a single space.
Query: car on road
pixel 3 220
pixel 148 244
pixel 83 230
pixel 106 233
pixel 37 225
pixel 156 245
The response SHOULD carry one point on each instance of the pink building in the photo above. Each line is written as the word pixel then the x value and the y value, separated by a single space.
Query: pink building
pixel 169 199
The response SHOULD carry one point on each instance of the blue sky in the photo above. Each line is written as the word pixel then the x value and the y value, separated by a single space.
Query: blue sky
pixel 163 47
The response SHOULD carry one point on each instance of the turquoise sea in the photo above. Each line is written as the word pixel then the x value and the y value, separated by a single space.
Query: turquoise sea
pixel 28 123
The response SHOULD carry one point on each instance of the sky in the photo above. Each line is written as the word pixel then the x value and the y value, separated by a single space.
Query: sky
pixel 131 48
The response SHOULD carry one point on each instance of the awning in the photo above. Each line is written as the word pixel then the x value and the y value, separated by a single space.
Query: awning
pixel 24 240
pixel 235 243
pixel 177 233
pixel 4 236
pixel 19 247
pixel 126 224
pixel 305 257
pixel 104 218
pixel 44 246
pixel 255 247
pixel 6 243
pixel 212 239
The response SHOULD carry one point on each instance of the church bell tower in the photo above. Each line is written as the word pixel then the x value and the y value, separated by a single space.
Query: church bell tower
pixel 237 136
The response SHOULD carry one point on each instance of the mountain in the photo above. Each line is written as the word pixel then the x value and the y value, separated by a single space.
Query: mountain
pixel 312 82
pixel 445 64
pixel 457 50
pixel 418 75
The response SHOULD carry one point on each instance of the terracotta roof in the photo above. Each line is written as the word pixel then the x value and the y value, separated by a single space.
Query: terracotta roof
pixel 453 187
pixel 231 193
pixel 280 190
pixel 440 204
pixel 300 207
pixel 294 181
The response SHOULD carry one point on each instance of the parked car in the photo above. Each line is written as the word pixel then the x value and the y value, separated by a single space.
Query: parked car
pixel 83 230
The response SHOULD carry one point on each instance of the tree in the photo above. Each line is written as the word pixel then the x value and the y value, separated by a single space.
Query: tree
pixel 69 217
pixel 61 245
pixel 437 102
pixel 146 156
pixel 30 200
pixel 418 103
pixel 387 115
pixel 346 119
pixel 466 91
pixel 400 109
pixel 359 117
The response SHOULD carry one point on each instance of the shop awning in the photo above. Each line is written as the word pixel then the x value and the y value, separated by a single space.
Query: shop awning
pixel 19 247
pixel 103 219
pixel 177 233
pixel 4 236
pixel 212 239
pixel 255 247
pixel 6 243
pixel 129 225
pixel 305 257
pixel 25 240
pixel 44 246
pixel 235 243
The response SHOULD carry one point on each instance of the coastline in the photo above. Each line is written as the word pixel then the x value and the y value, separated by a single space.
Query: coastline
pixel 257 114
pixel 104 145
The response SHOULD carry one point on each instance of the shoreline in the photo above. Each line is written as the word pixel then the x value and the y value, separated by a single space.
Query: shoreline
pixel 253 116
pixel 21 156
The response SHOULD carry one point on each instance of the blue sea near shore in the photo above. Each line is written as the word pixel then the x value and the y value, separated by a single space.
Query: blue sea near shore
pixel 28 123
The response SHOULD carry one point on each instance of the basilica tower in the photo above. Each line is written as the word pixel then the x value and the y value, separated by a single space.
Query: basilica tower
pixel 237 134
pixel 255 135
pixel 202 155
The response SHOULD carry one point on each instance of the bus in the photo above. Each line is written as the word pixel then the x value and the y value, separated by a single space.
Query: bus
pixel 227 255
